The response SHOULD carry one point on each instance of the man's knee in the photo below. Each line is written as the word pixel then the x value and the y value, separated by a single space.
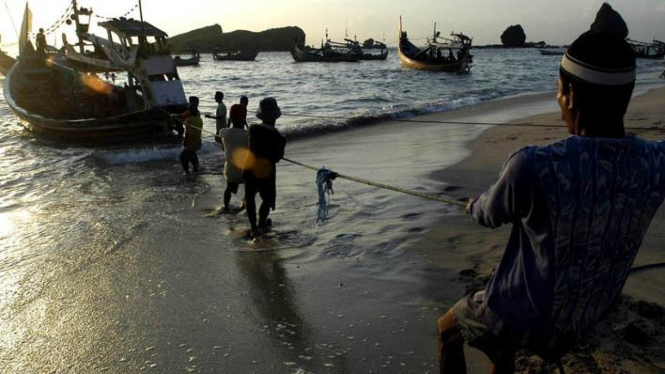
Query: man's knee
pixel 449 331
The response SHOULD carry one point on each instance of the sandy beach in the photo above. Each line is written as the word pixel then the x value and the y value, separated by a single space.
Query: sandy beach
pixel 165 287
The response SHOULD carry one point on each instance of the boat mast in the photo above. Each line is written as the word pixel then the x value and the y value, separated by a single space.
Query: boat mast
pixel 141 14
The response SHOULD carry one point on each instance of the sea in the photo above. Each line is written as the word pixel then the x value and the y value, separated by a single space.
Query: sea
pixel 65 207
pixel 315 98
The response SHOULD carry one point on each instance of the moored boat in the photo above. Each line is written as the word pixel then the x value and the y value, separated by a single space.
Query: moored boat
pixel 432 55
pixel 552 51
pixel 69 101
pixel 235 54
pixel 327 53
pixel 653 51
pixel 193 60
pixel 366 51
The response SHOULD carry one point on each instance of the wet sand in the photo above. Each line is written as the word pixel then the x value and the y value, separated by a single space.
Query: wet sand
pixel 145 281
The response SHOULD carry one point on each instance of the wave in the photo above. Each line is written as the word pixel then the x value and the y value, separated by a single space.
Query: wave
pixel 150 154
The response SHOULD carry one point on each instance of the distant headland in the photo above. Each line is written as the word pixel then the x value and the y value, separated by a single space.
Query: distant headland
pixel 207 38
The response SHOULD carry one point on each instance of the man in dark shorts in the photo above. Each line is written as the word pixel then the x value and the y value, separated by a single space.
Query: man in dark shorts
pixel 579 207
pixel 266 146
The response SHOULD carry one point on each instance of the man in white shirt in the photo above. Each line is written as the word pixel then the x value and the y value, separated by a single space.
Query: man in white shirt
pixel 235 143
pixel 220 115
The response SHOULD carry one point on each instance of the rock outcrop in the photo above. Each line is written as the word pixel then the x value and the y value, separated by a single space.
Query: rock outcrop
pixel 513 37
pixel 207 38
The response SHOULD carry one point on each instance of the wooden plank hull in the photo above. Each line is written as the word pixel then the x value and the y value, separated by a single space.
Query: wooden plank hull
pixel 134 125
pixel 407 62
pixel 302 55
pixel 374 57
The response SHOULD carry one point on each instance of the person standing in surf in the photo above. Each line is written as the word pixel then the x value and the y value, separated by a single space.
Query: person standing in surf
pixel 220 114
pixel 580 208
pixel 244 102
pixel 193 129
pixel 266 149
pixel 235 145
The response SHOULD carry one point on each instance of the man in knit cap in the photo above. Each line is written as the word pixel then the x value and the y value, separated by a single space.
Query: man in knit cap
pixel 579 207
pixel 266 146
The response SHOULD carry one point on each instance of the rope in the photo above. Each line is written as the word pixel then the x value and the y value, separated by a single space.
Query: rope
pixel 122 16
pixel 639 269
pixel 12 20
pixel 383 186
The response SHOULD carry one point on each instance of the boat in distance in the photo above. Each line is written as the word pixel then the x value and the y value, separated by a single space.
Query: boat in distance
pixel 329 52
pixel 552 51
pixel 432 56
pixel 193 60
pixel 235 54
pixel 64 99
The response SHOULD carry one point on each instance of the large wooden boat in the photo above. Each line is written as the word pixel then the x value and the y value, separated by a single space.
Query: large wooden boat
pixel 456 58
pixel 653 51
pixel 6 63
pixel 193 60
pixel 235 54
pixel 69 101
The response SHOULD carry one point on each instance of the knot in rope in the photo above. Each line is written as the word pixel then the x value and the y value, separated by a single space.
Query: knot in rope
pixel 324 183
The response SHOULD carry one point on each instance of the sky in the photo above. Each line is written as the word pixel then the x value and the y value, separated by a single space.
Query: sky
pixel 556 22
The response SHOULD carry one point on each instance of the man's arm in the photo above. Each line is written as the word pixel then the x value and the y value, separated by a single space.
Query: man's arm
pixel 510 198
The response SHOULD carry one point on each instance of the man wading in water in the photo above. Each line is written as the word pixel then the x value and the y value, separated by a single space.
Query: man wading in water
pixel 193 128
pixel 266 146
pixel 579 207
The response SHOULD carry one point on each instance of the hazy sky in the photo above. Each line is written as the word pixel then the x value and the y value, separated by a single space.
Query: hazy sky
pixel 556 22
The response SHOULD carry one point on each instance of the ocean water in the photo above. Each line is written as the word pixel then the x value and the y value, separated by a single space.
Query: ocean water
pixel 43 176
pixel 87 232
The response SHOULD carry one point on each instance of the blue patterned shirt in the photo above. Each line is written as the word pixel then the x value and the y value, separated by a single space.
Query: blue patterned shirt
pixel 580 208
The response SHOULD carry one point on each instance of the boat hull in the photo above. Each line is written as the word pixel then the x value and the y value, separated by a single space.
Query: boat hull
pixel 301 55
pixel 555 52
pixel 459 66
pixel 409 53
pixel 377 57
pixel 133 125
pixel 244 56
pixel 193 61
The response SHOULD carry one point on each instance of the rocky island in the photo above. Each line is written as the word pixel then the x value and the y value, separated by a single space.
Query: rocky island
pixel 207 38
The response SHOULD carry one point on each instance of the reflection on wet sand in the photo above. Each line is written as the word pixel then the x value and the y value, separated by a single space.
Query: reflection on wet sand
pixel 276 306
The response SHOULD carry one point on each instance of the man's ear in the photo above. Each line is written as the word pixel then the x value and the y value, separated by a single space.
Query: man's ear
pixel 571 97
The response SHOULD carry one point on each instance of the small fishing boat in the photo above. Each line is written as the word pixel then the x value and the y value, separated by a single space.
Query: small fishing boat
pixel 433 55
pixel 6 63
pixel 67 100
pixel 552 51
pixel 193 60
pixel 329 52
pixel 235 54
pixel 652 51
pixel 365 51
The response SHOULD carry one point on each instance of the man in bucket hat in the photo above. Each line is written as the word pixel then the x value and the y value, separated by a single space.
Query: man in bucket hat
pixel 579 207
pixel 266 149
